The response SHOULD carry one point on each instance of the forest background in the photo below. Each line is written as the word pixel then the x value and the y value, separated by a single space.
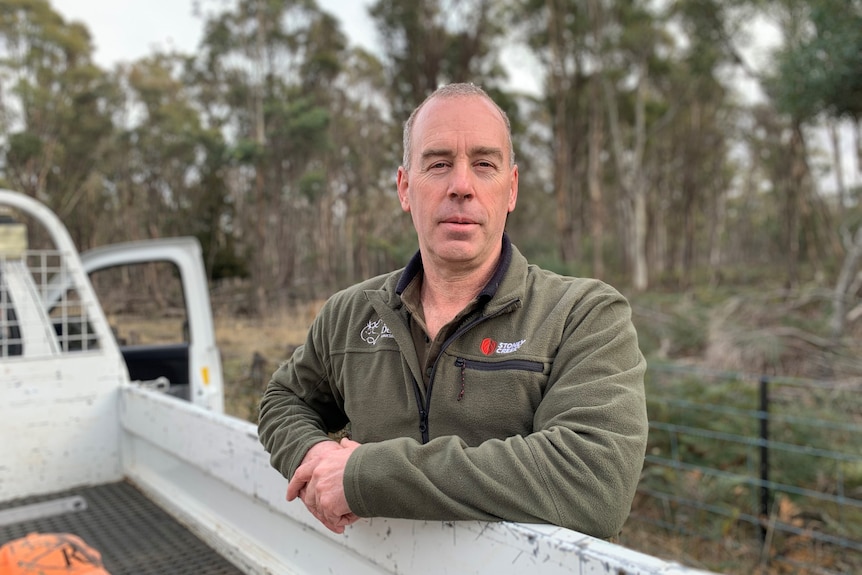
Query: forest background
pixel 734 225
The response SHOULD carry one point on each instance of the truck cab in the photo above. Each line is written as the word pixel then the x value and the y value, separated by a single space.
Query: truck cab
pixel 42 313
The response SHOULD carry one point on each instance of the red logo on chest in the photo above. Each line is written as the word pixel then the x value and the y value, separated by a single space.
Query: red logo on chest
pixel 489 346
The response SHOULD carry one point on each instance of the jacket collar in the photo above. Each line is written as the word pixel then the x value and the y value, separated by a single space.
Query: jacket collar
pixel 414 267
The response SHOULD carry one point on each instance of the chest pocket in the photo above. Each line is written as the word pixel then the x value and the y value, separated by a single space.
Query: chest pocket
pixel 494 399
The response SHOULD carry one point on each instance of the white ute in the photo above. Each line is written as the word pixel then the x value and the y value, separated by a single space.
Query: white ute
pixel 161 485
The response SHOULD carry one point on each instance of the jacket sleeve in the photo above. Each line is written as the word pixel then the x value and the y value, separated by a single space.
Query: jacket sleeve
pixel 298 408
pixel 578 468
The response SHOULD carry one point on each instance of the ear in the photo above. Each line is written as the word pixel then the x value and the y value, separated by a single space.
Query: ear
pixel 513 188
pixel 402 182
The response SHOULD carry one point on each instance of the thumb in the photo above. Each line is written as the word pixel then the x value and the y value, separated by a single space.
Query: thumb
pixel 346 442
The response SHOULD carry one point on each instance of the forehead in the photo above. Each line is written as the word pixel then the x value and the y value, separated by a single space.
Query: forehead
pixel 459 120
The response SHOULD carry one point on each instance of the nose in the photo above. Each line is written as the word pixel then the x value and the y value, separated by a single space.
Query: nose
pixel 461 185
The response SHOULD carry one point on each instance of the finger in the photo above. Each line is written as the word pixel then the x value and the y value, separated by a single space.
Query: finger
pixel 317 515
pixel 333 524
pixel 347 519
pixel 293 488
pixel 299 481
pixel 338 524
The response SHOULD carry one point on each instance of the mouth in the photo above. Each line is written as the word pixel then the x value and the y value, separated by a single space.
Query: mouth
pixel 458 228
pixel 458 220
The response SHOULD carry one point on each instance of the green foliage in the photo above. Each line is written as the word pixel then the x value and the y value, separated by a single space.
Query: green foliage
pixel 312 184
pixel 671 326
pixel 247 152
pixel 23 147
pixel 552 262
pixel 276 120
pixel 428 43
pixel 225 261
pixel 398 250
pixel 822 71
pixel 307 123
pixel 326 44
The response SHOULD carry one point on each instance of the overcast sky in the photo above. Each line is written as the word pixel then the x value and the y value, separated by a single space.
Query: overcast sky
pixel 125 30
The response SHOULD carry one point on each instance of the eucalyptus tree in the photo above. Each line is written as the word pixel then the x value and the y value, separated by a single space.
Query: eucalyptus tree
pixel 816 76
pixel 427 43
pixel 378 237
pixel 638 45
pixel 819 73
pixel 266 68
pixel 166 166
pixel 819 69
pixel 603 61
pixel 55 112
pixel 697 165
pixel 562 35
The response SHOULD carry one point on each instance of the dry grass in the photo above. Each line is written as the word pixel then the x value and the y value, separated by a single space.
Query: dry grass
pixel 252 349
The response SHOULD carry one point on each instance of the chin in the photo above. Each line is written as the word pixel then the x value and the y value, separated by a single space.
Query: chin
pixel 456 253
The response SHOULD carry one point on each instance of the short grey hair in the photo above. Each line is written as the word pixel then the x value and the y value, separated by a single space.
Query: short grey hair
pixel 458 90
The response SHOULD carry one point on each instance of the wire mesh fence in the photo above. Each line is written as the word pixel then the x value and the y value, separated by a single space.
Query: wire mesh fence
pixel 751 473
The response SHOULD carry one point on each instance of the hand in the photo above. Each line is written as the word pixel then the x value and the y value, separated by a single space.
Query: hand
pixel 319 483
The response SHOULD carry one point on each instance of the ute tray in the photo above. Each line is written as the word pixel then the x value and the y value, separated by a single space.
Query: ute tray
pixel 134 535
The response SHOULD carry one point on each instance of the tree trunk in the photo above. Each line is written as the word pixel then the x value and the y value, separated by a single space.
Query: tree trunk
pixel 841 187
pixel 594 177
pixel 793 194
pixel 259 267
pixel 562 148
pixel 631 174
pixel 716 232
pixel 641 275
pixel 848 271
pixel 857 133
pixel 596 147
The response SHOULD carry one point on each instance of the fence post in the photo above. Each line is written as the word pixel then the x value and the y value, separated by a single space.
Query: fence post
pixel 764 456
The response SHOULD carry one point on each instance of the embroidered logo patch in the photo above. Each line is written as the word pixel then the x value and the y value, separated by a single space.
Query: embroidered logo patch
pixel 490 347
pixel 373 331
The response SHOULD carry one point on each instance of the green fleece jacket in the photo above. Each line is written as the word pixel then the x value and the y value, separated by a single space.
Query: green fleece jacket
pixel 534 412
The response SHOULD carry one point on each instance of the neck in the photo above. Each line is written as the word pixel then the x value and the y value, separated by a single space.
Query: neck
pixel 445 293
pixel 440 286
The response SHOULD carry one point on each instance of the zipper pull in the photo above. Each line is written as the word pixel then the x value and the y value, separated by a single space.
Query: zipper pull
pixel 462 363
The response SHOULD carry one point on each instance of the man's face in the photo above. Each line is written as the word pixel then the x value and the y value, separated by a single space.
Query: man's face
pixel 460 186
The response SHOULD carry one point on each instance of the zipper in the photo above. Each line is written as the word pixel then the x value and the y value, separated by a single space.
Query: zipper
pixel 509 364
pixel 516 364
pixel 425 407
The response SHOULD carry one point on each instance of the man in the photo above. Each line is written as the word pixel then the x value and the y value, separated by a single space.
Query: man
pixel 476 386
